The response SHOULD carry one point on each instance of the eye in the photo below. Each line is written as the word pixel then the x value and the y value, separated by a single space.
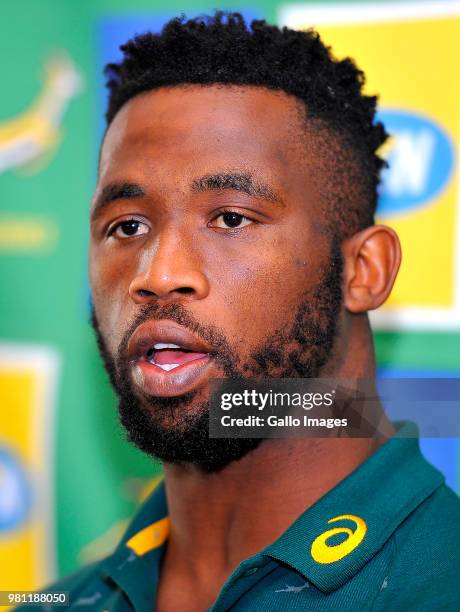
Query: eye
pixel 129 228
pixel 229 220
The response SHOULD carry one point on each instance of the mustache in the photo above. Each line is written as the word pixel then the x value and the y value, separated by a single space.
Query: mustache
pixel 172 312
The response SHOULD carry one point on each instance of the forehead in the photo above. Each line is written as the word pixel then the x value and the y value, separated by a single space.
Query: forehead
pixel 206 126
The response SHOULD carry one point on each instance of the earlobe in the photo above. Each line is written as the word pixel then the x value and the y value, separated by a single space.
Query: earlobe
pixel 371 262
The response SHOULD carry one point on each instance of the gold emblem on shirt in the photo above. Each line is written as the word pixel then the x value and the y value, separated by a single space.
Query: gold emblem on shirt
pixel 322 552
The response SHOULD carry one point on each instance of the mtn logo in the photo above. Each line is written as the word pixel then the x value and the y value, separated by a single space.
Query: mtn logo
pixel 421 159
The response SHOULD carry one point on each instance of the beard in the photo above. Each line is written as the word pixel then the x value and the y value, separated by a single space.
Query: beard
pixel 167 429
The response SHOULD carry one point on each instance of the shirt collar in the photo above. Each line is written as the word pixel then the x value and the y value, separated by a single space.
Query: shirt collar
pixel 135 564
pixel 332 540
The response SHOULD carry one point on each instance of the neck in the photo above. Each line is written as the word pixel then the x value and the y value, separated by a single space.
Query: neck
pixel 221 519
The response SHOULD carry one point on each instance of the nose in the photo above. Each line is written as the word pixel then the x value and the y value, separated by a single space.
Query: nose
pixel 169 270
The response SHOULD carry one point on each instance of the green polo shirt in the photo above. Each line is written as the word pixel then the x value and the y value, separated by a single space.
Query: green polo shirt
pixel 386 538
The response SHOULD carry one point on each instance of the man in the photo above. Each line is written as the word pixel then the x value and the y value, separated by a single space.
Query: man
pixel 232 236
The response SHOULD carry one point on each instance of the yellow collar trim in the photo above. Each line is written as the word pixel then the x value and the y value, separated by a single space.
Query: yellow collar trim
pixel 151 537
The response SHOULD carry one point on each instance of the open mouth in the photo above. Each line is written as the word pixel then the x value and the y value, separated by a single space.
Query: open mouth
pixel 169 356
pixel 169 360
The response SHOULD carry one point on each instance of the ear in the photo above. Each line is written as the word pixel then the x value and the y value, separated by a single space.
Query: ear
pixel 371 263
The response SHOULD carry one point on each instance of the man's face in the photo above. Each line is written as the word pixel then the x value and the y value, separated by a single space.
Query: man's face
pixel 208 258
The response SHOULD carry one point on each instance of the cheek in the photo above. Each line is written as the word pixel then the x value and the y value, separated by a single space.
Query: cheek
pixel 109 293
pixel 259 293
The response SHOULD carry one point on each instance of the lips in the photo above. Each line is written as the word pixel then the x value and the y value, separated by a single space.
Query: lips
pixel 167 360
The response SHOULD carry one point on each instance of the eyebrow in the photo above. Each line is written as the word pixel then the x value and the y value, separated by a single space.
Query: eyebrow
pixel 116 191
pixel 238 182
pixel 210 182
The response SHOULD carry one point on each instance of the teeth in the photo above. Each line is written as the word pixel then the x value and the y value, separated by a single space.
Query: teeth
pixel 162 345
pixel 167 366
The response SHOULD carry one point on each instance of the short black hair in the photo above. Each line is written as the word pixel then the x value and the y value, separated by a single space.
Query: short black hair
pixel 223 49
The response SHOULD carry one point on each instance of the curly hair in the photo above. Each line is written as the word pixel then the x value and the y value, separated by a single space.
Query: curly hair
pixel 223 49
